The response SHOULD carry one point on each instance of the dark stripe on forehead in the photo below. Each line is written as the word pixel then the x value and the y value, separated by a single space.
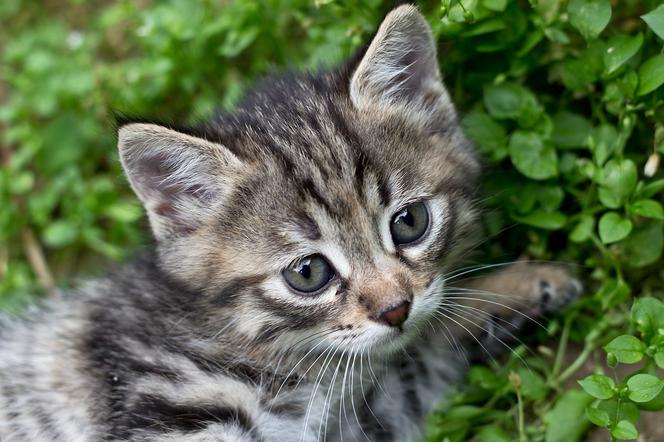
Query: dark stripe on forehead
pixel 360 170
pixel 384 190
pixel 349 136
pixel 307 225
pixel 308 189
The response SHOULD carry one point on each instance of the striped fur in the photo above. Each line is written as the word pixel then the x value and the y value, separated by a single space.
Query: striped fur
pixel 202 340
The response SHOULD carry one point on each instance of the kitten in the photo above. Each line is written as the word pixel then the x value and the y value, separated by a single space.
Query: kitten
pixel 297 290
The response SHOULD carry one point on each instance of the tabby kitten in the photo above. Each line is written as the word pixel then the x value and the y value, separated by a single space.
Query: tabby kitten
pixel 298 288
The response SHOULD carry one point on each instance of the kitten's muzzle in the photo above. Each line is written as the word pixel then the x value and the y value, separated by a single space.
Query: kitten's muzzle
pixel 394 316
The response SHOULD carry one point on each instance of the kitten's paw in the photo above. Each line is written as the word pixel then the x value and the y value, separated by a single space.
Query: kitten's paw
pixel 529 293
pixel 553 288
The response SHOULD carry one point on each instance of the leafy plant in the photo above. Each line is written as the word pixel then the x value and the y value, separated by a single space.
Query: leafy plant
pixel 619 402
pixel 564 99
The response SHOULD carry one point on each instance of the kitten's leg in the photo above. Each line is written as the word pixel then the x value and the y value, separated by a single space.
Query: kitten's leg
pixel 499 307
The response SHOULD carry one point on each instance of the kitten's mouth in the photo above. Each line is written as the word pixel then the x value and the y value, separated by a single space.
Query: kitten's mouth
pixel 395 338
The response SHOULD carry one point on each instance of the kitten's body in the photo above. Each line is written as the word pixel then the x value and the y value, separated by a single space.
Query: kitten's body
pixel 205 341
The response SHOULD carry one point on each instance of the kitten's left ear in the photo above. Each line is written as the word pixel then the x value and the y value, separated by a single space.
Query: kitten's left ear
pixel 179 178
pixel 400 66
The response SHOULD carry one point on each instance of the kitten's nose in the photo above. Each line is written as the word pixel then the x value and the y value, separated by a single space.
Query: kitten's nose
pixel 395 316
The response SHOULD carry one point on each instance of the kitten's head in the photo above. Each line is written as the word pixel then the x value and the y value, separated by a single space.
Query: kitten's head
pixel 325 206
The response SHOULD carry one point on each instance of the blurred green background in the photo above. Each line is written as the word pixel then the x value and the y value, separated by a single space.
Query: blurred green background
pixel 564 99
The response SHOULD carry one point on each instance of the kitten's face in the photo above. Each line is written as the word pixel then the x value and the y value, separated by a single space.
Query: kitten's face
pixel 323 212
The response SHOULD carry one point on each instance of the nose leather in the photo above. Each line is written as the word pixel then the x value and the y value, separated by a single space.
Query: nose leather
pixel 395 316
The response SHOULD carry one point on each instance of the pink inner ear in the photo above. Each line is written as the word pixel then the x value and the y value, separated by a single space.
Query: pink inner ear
pixel 158 174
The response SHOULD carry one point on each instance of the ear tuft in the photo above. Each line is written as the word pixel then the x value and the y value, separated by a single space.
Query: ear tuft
pixel 400 67
pixel 179 178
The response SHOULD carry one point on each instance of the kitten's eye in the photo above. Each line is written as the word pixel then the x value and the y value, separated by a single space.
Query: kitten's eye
pixel 309 274
pixel 410 223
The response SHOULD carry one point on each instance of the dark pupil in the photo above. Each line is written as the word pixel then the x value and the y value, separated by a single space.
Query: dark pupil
pixel 407 217
pixel 305 271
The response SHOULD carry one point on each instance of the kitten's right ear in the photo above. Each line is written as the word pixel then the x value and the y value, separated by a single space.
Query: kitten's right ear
pixel 400 68
pixel 180 179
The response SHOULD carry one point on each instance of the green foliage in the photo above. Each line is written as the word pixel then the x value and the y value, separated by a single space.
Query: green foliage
pixel 618 402
pixel 564 99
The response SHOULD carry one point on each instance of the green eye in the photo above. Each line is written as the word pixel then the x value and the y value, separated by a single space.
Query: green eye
pixel 309 274
pixel 410 223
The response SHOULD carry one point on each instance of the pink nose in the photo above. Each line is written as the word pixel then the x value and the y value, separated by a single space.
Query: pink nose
pixel 396 315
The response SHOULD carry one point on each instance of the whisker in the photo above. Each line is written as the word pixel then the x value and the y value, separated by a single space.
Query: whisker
pixel 466 298
pixel 352 396
pixel 468 331
pixel 490 316
pixel 329 396
pixel 364 397
pixel 317 382
pixel 298 363
pixel 458 315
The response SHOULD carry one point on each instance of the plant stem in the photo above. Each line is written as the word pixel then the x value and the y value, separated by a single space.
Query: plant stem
pixel 562 346
pixel 578 362
pixel 33 251
pixel 522 431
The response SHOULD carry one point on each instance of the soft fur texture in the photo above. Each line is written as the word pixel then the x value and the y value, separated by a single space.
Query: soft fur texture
pixel 203 340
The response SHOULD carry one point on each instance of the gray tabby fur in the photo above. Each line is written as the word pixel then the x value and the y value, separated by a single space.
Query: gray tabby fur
pixel 202 340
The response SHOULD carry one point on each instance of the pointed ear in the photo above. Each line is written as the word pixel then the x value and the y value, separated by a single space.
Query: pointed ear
pixel 400 66
pixel 180 179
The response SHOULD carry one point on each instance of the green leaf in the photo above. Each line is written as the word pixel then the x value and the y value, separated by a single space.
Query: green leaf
pixel 566 422
pixel 603 142
pixel 543 220
pixel 647 208
pixel 624 430
pixel 532 157
pixel 651 74
pixel 550 197
pixel 532 385
pixel 124 211
pixel 644 245
pixel 618 408
pixel 583 230
pixel 578 74
pixel 493 433
pixel 509 101
pixel 495 5
pixel 613 292
pixel 465 412
pixel 627 349
pixel 655 20
pixel 598 386
pixel 617 182
pixel 598 417
pixel 589 17
pixel 644 387
pixel 484 378
pixel 22 183
pixel 60 233
pixel 570 130
pixel 619 50
pixel 648 315
pixel 659 359
pixel 485 27
pixel 613 227
pixel 489 136
pixel 652 188
pixel 556 35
